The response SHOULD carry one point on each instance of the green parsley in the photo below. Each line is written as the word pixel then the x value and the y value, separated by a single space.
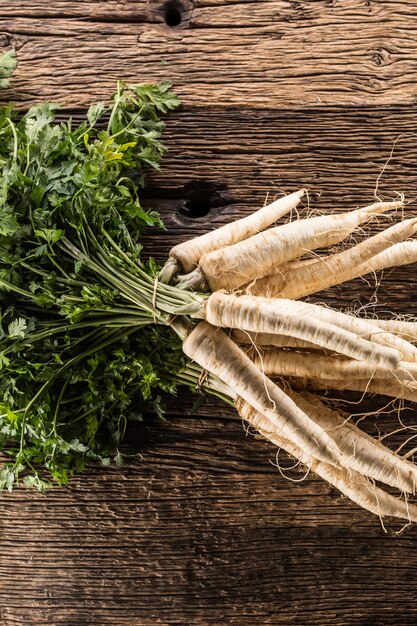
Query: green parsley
pixel 83 348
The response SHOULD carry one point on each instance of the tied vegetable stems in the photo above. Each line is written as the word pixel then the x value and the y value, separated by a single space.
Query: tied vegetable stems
pixel 93 334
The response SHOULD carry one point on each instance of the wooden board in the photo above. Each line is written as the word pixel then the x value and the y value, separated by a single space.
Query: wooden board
pixel 201 528
pixel 272 53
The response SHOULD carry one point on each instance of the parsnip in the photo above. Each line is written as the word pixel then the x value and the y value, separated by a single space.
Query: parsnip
pixel 298 280
pixel 266 339
pixel 236 265
pixel 277 316
pixel 365 329
pixel 185 256
pixel 404 253
pixel 405 329
pixel 214 351
pixel 362 452
pixel 352 484
pixel 276 362
pixel 392 388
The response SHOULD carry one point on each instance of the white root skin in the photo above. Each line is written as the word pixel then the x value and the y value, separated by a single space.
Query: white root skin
pixel 407 330
pixel 403 389
pixel 404 253
pixel 280 282
pixel 238 264
pixel 215 352
pixel 266 339
pixel 278 316
pixel 298 280
pixel 276 362
pixel 352 484
pixel 363 453
pixel 366 329
pixel 190 252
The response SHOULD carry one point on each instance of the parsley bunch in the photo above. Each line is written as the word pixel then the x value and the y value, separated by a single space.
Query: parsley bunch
pixel 83 347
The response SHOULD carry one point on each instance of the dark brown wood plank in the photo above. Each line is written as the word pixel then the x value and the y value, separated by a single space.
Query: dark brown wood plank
pixel 200 530
pixel 256 54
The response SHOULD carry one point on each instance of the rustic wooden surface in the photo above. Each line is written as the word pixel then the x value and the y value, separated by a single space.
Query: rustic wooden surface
pixel 201 528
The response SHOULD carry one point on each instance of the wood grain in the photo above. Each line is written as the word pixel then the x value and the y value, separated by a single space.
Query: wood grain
pixel 251 54
pixel 201 528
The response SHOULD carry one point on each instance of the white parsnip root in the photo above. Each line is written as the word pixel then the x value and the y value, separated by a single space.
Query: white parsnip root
pixel 390 387
pixel 405 329
pixel 366 329
pixel 246 337
pixel 236 265
pixel 276 362
pixel 256 278
pixel 304 278
pixel 277 316
pixel 362 452
pixel 404 253
pixel 214 351
pixel 352 484
pixel 185 256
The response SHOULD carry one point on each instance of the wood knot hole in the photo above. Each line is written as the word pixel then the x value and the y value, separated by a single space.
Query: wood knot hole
pixel 200 198
pixel 197 207
pixel 173 13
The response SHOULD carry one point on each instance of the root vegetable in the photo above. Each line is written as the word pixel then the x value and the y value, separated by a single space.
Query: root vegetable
pixel 403 389
pixel 365 329
pixel 363 453
pixel 276 362
pixel 267 339
pixel 214 351
pixel 280 316
pixel 404 253
pixel 236 265
pixel 407 330
pixel 185 256
pixel 352 484
pixel 298 280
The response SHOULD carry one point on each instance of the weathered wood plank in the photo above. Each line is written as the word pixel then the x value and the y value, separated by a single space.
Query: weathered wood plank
pixel 275 53
pixel 107 530
pixel 201 530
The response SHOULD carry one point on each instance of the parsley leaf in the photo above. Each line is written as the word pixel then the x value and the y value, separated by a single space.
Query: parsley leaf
pixel 80 357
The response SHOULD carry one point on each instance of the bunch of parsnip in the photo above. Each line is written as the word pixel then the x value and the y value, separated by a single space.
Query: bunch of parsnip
pixel 255 331
pixel 90 334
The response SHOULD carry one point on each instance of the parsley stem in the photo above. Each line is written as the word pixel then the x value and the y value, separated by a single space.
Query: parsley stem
pixel 15 146
pixel 11 287
pixel 116 104
pixel 58 404
pixel 113 337
pixel 128 125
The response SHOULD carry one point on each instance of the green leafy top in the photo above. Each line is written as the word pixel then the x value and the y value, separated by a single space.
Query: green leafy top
pixel 78 358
